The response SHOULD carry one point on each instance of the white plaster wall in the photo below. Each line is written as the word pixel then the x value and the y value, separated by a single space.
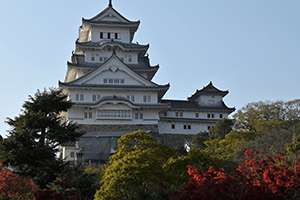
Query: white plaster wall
pixel 124 56
pixel 66 153
pixel 76 114
pixel 165 127
pixel 88 95
pixel 210 100
pixel 188 114
pixel 124 33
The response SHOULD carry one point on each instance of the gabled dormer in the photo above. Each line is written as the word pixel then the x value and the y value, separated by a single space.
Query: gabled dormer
pixel 108 25
pixel 209 96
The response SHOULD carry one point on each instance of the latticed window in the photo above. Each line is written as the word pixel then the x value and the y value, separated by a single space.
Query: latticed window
pixel 114 114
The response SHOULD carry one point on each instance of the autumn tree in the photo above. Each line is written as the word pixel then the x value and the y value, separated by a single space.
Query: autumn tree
pixel 35 135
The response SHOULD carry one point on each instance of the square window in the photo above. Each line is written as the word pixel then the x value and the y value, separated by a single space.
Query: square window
pixel 105 80
pixel 111 80
pixel 122 81
pixel 105 58
pixel 116 80
pixel 108 48
pixel 93 58
pixel 100 59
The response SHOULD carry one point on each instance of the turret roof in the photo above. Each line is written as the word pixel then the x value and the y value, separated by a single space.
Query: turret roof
pixel 208 90
pixel 193 105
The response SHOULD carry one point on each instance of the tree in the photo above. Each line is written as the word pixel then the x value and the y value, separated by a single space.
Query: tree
pixel 247 117
pixel 136 164
pixel 35 135
pixel 12 186
pixel 222 128
pixel 257 178
pixel 140 162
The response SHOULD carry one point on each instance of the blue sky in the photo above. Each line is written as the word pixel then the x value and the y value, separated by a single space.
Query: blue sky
pixel 249 47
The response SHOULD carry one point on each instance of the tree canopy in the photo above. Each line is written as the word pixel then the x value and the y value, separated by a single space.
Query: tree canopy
pixel 35 135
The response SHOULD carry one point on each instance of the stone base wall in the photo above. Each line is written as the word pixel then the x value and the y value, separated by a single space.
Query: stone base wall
pixel 104 128
pixel 171 140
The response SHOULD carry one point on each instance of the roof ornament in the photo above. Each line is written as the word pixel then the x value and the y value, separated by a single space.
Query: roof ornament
pixel 110 3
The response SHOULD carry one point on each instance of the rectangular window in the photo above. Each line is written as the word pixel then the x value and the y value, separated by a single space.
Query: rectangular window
pixel 72 154
pixel 92 58
pixel 208 115
pixel 129 58
pixel 122 59
pixel 221 115
pixel 144 98
pixel 108 48
pixel 122 81
pixel 116 80
pixel 101 35
pixel 136 115
pixel 108 35
pixel 176 114
pixel 81 97
pixel 77 97
pixel 197 115
pixel 165 114
pixel 181 114
pixel 94 97
pixel 111 80
pixel 208 127
pixel 141 116
pixel 105 58
pixel 101 59
pixel 98 96
pixel 184 126
pixel 105 80
pixel 116 36
pixel 173 126
pixel 189 126
pixel 212 115
pixel 90 115
pixel 149 98
pixel 85 115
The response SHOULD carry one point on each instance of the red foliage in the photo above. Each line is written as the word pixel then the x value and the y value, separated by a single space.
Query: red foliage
pixel 12 186
pixel 261 179
pixel 52 194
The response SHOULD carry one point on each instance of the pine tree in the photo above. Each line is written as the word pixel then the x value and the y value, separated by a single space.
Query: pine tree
pixel 36 134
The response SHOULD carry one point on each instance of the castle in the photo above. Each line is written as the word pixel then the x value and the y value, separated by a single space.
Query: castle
pixel 109 79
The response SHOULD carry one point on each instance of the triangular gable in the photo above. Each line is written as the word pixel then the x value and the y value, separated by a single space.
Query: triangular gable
pixel 109 14
pixel 115 72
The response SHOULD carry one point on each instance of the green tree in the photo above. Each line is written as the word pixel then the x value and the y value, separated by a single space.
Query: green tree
pixel 219 131
pixel 247 117
pixel 35 135
pixel 140 162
